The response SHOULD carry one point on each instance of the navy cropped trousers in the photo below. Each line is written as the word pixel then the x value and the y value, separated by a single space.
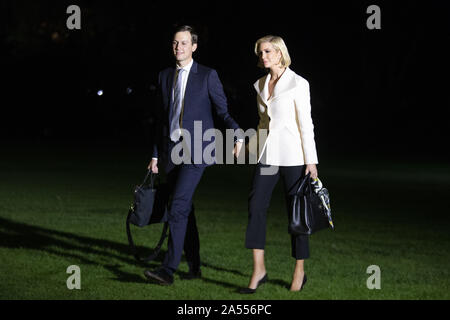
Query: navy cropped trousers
pixel 264 181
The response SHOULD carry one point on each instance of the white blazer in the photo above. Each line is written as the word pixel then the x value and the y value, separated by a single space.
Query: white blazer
pixel 287 117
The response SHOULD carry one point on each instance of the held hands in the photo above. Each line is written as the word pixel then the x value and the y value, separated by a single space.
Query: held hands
pixel 153 165
pixel 237 149
pixel 312 169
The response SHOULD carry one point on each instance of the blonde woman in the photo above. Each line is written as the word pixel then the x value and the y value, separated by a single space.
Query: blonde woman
pixel 289 152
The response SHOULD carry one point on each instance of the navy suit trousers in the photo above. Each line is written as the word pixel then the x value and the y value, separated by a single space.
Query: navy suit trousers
pixel 183 179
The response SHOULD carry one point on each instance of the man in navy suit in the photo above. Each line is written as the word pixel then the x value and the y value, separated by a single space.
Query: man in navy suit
pixel 190 92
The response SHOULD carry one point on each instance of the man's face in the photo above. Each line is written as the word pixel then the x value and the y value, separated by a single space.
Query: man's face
pixel 182 46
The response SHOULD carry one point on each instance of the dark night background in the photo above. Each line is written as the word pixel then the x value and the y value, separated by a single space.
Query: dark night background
pixel 380 92
pixel 70 159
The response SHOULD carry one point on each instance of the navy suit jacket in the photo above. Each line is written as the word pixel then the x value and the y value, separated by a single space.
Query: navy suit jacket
pixel 204 92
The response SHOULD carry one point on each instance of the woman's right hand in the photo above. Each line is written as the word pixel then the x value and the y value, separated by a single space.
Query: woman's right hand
pixel 153 165
pixel 312 170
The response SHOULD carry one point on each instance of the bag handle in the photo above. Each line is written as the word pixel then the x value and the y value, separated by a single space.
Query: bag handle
pixel 304 183
pixel 155 251
pixel 152 178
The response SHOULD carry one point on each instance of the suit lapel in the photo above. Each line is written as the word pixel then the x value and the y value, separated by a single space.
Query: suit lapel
pixel 169 88
pixel 191 78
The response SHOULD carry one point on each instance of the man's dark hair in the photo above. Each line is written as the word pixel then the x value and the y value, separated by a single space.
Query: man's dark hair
pixel 194 35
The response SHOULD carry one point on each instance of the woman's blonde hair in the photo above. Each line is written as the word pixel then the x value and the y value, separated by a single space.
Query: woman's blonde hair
pixel 279 45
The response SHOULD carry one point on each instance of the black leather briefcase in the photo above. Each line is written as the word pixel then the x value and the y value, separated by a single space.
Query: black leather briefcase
pixel 150 206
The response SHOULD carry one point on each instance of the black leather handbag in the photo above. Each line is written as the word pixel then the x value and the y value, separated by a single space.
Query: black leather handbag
pixel 307 213
pixel 149 207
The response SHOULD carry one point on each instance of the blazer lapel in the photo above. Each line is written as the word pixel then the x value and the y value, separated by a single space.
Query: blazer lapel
pixel 284 84
pixel 262 87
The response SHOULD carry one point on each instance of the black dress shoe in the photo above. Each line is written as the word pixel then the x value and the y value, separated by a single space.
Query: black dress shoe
pixel 303 284
pixel 193 275
pixel 160 276
pixel 250 290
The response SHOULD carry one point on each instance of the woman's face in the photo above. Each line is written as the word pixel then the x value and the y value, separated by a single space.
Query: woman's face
pixel 268 55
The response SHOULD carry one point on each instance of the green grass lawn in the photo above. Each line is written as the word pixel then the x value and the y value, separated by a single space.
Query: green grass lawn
pixel 62 207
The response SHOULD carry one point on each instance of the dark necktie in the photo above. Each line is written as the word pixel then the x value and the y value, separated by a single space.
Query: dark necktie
pixel 175 131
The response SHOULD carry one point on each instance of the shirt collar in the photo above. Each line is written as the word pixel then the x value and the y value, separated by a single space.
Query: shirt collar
pixel 187 67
